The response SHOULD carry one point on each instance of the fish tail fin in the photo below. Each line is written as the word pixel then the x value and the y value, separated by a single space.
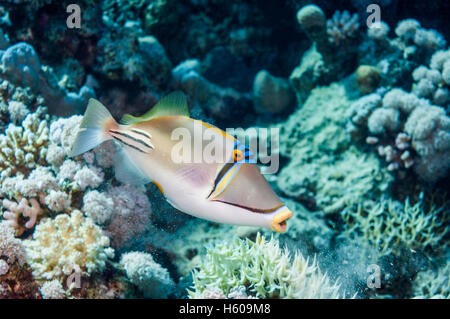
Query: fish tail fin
pixel 93 128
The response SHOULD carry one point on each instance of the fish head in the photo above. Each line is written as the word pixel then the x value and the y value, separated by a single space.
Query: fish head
pixel 242 186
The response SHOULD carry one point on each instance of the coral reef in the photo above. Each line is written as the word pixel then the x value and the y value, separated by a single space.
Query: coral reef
pixel 61 244
pixel 263 269
pixel 326 171
pixel 362 110
pixel 23 147
pixel 271 94
pixel 152 279
pixel 11 247
pixel 433 283
pixel 391 226
pixel 401 124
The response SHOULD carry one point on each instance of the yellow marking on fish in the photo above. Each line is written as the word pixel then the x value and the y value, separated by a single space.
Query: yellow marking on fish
pixel 279 220
pixel 159 187
pixel 225 181
pixel 217 130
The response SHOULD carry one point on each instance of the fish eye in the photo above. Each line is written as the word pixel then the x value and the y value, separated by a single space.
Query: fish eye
pixel 238 155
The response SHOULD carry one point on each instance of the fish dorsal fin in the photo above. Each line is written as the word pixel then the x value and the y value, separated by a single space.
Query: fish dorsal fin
pixel 173 104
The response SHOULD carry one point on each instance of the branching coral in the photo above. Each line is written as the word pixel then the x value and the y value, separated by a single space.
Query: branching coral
pixel 150 277
pixel 433 83
pixel 433 283
pixel 429 128
pixel 22 147
pixel 391 226
pixel 264 269
pixel 411 32
pixel 62 243
pixel 342 26
pixel 31 210
pixel 407 130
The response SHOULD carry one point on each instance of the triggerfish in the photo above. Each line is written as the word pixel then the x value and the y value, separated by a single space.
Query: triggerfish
pixel 229 190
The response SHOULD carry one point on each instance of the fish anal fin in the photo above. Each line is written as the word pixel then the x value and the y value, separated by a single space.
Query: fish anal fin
pixel 126 170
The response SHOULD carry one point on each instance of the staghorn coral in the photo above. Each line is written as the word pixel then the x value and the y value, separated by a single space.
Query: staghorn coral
pixel 264 269
pixel 150 277
pixel 62 243
pixel 391 226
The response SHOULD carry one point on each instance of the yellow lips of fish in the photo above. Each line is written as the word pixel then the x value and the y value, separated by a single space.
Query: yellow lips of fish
pixel 232 191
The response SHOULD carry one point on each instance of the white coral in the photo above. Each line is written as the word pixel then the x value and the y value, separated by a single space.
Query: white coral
pixel 10 246
pixel 52 290
pixel 87 177
pixel 4 268
pixel 384 120
pixel 62 243
pixel 150 277
pixel 22 147
pixel 17 111
pixel 378 30
pixel 429 128
pixel 57 201
pixel 98 206
pixel 406 29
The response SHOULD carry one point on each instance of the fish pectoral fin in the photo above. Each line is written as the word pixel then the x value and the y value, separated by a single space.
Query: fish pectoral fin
pixel 126 170
pixel 173 104
pixel 194 175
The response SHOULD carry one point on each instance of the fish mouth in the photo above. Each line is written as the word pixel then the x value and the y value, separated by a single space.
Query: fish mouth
pixel 280 215
pixel 278 222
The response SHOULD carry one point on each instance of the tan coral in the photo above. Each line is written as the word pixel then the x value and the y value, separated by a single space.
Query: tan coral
pixel 14 210
pixel 22 147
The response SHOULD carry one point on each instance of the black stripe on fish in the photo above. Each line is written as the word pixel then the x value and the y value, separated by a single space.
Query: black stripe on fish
pixel 254 210
pixel 132 146
pixel 141 133
pixel 221 174
pixel 132 138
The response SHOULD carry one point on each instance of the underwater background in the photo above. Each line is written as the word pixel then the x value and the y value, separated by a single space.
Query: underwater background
pixel 362 107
